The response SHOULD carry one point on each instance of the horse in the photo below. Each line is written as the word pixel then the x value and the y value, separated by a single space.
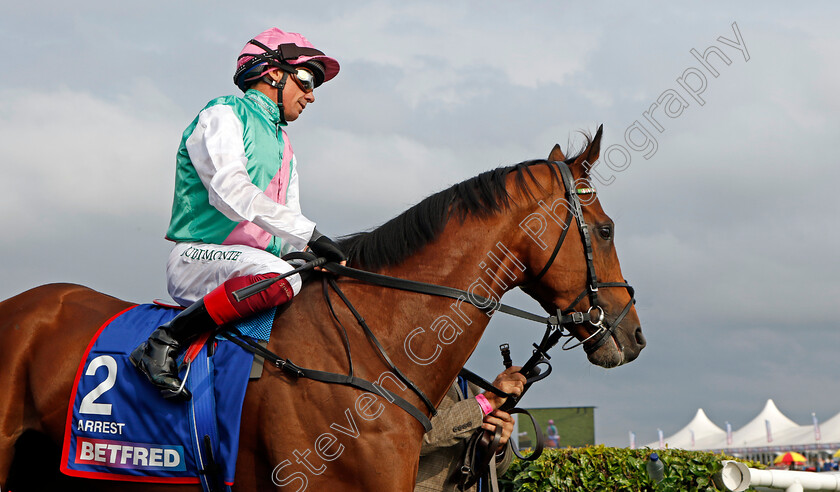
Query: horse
pixel 486 235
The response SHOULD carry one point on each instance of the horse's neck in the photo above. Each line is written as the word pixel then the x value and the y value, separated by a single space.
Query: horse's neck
pixel 440 334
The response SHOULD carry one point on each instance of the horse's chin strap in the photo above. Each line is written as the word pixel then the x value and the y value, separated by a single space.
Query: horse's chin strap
pixel 606 329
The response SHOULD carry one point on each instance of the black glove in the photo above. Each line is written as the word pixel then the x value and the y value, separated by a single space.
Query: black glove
pixel 323 246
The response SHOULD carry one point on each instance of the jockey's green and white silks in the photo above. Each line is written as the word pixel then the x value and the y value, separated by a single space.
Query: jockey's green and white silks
pixel 236 180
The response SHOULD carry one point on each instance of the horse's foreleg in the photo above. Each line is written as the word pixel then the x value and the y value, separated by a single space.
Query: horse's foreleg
pixel 16 409
pixel 44 332
pixel 11 424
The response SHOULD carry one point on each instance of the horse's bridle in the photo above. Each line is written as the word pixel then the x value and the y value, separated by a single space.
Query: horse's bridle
pixel 563 317
pixel 554 324
pixel 603 327
pixel 532 368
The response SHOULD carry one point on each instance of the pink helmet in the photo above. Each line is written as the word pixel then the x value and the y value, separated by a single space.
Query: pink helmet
pixel 275 49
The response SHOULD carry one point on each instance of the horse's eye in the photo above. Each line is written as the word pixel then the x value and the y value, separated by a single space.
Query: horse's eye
pixel 605 232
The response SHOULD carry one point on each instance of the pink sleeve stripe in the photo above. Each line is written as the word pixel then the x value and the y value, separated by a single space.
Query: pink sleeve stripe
pixel 250 234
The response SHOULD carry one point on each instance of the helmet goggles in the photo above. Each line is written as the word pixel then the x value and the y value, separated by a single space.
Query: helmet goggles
pixel 305 79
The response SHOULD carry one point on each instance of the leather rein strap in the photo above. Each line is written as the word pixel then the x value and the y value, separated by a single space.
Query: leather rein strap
pixel 325 377
pixel 554 324
pixel 442 291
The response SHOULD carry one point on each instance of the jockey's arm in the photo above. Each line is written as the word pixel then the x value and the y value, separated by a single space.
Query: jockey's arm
pixel 217 151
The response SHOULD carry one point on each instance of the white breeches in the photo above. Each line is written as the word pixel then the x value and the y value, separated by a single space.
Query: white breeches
pixel 195 269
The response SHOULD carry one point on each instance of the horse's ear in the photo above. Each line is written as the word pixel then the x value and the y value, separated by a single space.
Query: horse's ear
pixel 556 154
pixel 592 151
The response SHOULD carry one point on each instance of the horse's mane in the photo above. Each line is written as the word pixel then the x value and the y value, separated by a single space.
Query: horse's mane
pixel 481 196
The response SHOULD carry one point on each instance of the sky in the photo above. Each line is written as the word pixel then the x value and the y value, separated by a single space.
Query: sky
pixel 725 207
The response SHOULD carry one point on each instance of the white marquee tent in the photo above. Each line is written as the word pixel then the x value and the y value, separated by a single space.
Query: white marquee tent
pixel 829 433
pixel 695 434
pixel 768 433
pixel 768 427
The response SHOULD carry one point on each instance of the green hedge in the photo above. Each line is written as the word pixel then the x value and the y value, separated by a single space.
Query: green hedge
pixel 600 468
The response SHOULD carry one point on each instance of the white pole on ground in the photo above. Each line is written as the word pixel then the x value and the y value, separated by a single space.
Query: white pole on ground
pixel 737 477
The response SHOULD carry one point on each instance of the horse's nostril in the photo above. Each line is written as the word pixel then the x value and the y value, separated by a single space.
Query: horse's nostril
pixel 640 338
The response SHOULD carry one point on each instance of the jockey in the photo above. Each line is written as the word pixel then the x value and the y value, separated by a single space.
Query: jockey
pixel 236 208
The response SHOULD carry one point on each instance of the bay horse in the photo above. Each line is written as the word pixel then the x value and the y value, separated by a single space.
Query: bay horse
pixel 486 235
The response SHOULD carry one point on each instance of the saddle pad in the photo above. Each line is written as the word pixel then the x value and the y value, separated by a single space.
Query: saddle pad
pixel 119 427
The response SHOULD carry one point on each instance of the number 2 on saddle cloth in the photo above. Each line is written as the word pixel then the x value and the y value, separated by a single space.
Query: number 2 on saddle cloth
pixel 119 428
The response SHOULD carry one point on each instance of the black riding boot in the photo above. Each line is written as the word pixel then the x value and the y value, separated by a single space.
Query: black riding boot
pixel 156 357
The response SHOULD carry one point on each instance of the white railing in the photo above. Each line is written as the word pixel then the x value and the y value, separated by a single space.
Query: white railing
pixel 737 477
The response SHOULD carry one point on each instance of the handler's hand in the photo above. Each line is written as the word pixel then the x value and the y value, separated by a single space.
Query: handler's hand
pixel 510 381
pixel 498 417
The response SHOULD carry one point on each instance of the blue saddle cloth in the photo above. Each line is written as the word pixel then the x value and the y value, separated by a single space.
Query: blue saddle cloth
pixel 119 427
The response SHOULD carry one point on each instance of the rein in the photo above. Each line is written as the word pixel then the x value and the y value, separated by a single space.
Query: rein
pixel 555 324
pixel 395 283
